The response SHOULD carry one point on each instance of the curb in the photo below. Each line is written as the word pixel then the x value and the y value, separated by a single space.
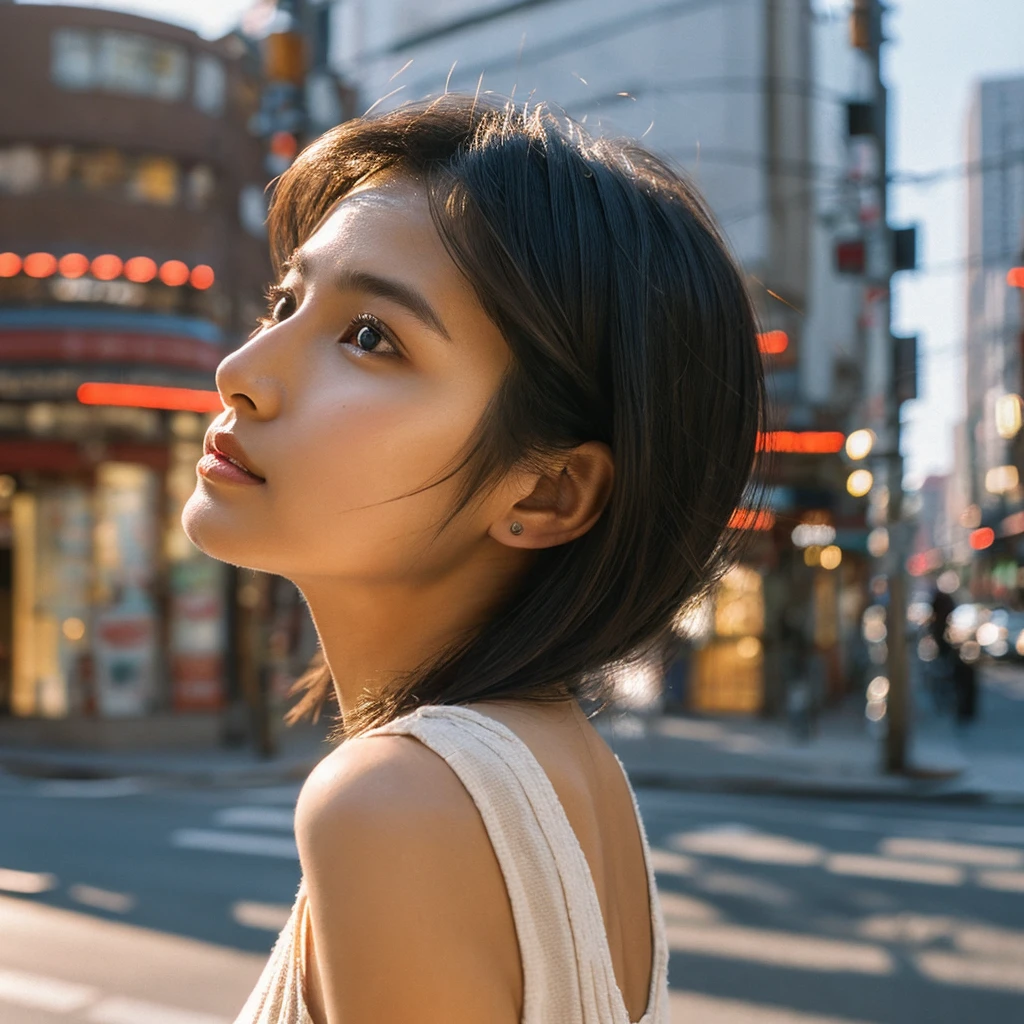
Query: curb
pixel 84 771
pixel 762 786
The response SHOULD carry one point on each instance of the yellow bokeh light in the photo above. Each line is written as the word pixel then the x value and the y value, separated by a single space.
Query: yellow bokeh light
pixel 748 647
pixel 860 443
pixel 830 557
pixel 1008 416
pixel 73 629
pixel 812 553
pixel 859 482
pixel 878 542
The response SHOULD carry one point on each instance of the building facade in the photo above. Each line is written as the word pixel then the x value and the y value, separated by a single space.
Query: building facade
pixel 132 258
pixel 995 335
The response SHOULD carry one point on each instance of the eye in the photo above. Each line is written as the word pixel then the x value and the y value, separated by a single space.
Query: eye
pixel 283 307
pixel 280 306
pixel 369 335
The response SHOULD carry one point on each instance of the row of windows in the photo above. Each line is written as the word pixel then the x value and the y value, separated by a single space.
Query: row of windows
pixel 136 65
pixel 140 178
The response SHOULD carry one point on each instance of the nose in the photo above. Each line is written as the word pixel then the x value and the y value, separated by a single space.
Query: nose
pixel 248 379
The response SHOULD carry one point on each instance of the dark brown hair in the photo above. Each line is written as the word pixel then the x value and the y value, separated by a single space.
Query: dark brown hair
pixel 628 322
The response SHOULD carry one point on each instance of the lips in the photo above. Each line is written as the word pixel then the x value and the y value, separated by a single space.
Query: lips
pixel 224 444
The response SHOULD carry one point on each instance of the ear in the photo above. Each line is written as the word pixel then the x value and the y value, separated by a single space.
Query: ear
pixel 561 504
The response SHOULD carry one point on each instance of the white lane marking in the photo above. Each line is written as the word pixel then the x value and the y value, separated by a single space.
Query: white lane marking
pixel 654 801
pixel 119 1010
pixel 26 881
pixel 40 993
pixel 103 899
pixel 93 788
pixel 778 948
pixel 1002 881
pixel 869 866
pixel 694 1006
pixel 953 969
pixel 235 842
pixel 257 817
pixel 738 842
pixel 271 794
pixel 954 853
pixel 271 917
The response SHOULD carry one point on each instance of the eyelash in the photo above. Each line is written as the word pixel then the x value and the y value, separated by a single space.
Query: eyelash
pixel 275 293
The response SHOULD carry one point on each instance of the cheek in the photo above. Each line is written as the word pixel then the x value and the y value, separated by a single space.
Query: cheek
pixel 354 458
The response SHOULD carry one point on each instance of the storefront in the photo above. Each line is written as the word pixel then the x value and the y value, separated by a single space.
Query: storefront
pixel 113 613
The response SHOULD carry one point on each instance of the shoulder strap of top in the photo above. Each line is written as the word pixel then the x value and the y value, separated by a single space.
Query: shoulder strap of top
pixel 568 974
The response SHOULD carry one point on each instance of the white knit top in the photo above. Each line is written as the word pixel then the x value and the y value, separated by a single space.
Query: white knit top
pixel 568 976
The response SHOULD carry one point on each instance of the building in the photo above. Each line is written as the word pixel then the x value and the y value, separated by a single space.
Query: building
pixel 994 383
pixel 134 257
pixel 750 98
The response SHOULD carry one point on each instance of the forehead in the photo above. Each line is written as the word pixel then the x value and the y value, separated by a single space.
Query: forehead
pixel 383 224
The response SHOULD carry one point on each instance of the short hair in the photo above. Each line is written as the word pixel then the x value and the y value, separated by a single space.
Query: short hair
pixel 628 322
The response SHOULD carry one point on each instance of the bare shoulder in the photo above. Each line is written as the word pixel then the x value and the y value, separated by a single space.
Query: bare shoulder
pixel 409 911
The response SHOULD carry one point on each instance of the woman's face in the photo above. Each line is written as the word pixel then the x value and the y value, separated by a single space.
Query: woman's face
pixel 373 374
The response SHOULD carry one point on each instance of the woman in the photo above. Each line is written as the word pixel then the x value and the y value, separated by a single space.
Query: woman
pixel 493 427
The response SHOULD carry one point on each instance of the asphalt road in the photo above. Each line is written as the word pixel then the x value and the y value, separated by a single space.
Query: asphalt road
pixel 128 905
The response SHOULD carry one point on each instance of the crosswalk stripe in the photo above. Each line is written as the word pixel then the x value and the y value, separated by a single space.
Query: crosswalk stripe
pixel 257 817
pixel 40 993
pixel 235 842
pixel 271 917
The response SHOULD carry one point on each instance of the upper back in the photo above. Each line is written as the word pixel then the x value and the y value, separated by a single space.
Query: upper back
pixel 592 790
pixel 572 913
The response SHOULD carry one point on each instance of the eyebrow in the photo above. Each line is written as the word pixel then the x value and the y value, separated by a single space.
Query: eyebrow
pixel 351 279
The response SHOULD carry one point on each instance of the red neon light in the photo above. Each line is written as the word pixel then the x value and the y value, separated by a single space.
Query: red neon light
pixel 10 264
pixel 1015 278
pixel 140 269
pixel 173 273
pixel 982 538
pixel 771 343
pixel 805 441
pixel 74 264
pixel 917 565
pixel 284 144
pixel 201 277
pixel 40 264
pixel 748 519
pixel 145 396
pixel 106 267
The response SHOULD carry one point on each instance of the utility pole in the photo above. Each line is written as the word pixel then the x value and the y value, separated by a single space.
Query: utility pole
pixel 867 31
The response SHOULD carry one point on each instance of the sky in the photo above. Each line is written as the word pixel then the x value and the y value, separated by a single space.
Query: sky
pixel 937 50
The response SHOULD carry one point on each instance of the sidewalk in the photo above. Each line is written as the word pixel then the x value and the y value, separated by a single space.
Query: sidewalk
pixel 298 749
pixel 982 763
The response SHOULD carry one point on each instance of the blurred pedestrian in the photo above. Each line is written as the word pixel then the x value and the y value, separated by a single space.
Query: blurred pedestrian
pixel 943 678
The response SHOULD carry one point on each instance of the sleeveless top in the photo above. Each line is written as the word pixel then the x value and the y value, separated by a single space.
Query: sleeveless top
pixel 568 976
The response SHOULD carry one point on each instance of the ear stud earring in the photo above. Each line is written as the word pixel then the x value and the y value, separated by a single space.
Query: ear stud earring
pixel 516 528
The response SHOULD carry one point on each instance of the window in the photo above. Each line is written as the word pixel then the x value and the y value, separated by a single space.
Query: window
pixel 101 169
pixel 199 186
pixel 208 90
pixel 121 62
pixel 155 181
pixel 73 59
pixel 136 64
pixel 21 169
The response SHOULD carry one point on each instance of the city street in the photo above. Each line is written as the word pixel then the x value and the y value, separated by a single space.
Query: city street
pixel 129 903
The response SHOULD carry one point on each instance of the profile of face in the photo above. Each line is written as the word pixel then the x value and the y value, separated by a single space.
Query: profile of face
pixel 371 375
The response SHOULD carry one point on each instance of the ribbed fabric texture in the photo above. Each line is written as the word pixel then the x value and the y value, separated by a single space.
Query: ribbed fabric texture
pixel 568 975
